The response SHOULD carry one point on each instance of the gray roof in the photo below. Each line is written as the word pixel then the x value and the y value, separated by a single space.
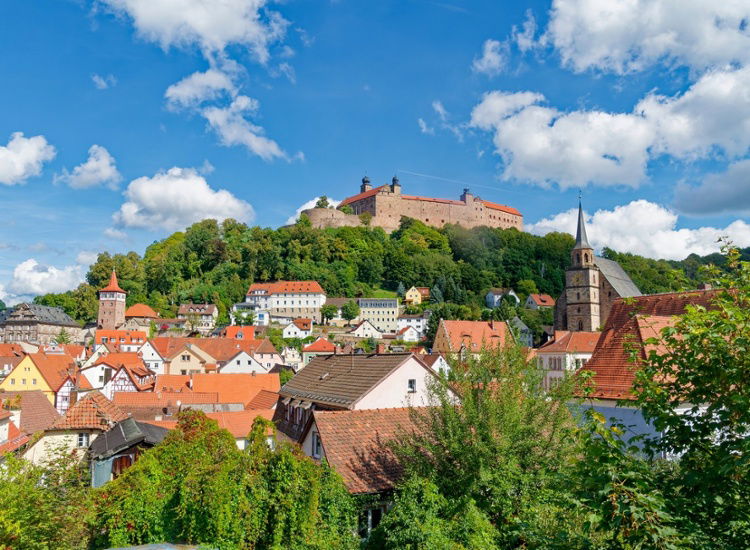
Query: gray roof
pixel 24 313
pixel 125 434
pixel 341 380
pixel 582 241
pixel 616 276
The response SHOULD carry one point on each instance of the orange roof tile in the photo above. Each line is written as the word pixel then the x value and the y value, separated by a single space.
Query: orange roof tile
pixel 16 439
pixel 287 287
pixel 629 324
pixel 116 359
pixel 118 337
pixel 571 342
pixel 113 286
pixel 141 310
pixel 321 345
pixel 163 398
pixel 543 300
pixel 355 445
pixel 475 335
pixel 265 399
pixel 57 368
pixel 9 350
pixel 172 382
pixel 364 195
pixel 502 208
pixel 239 332
pixel 92 411
pixel 303 324
pixel 235 388
pixel 238 423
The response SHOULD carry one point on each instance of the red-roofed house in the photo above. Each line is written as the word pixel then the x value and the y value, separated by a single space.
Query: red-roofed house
pixel 237 423
pixel 284 301
pixel 321 346
pixel 101 373
pixel 121 340
pixel 387 205
pixel 140 317
pixel 566 352
pixel 299 328
pixel 11 437
pixel 540 301
pixel 462 337
pixel 246 332
pixel 72 433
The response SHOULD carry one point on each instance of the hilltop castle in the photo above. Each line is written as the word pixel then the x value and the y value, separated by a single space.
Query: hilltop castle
pixel 386 204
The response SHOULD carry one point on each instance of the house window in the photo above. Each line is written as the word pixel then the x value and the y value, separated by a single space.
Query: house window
pixel 412 385
pixel 33 382
pixel 185 358
pixel 83 439
pixel 317 445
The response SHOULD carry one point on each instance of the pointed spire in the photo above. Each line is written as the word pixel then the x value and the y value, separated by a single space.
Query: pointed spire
pixel 113 286
pixel 582 241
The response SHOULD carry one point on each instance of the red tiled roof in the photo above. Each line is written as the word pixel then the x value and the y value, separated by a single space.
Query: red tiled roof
pixel 355 445
pixel 239 332
pixel 56 369
pixel 172 382
pixel 571 342
pixel 366 194
pixel 16 439
pixel 221 349
pixel 629 324
pixel 474 335
pixel 115 336
pixel 113 286
pixel 431 199
pixel 424 291
pixel 238 423
pixel 265 399
pixel 92 411
pixel 163 398
pixel 303 324
pixel 236 388
pixel 37 413
pixel 543 300
pixel 321 345
pixel 141 310
pixel 117 359
pixel 502 208
pixel 10 350
pixel 288 287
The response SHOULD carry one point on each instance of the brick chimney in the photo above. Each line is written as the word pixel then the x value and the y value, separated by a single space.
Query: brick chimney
pixel 380 348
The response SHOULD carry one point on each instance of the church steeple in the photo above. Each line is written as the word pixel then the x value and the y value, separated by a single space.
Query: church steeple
pixel 583 253
pixel 582 240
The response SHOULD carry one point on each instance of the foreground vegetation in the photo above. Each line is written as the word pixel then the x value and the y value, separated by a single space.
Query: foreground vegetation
pixel 212 262
pixel 511 467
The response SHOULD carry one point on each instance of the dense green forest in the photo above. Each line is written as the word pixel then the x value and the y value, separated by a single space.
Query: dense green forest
pixel 215 262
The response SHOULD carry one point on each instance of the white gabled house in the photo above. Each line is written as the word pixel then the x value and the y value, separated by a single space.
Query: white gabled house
pixel 299 328
pixel 408 334
pixel 243 363
pixel 366 329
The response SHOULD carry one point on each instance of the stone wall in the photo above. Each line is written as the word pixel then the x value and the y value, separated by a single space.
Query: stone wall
pixel 330 217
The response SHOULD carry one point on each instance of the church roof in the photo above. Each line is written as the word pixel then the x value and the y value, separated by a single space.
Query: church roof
pixel 582 240
pixel 616 276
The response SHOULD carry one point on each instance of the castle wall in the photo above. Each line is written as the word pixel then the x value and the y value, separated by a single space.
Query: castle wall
pixel 330 217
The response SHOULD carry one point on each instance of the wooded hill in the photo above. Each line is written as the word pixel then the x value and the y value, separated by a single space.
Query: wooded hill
pixel 216 262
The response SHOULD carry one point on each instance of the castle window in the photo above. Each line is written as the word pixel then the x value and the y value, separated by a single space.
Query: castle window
pixel 578 295
pixel 586 258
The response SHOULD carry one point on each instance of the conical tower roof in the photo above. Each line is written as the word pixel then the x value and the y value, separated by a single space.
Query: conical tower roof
pixel 113 286
pixel 582 240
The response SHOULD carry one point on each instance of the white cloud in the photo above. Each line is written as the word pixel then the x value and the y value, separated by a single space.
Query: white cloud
pixel 113 233
pixel 32 278
pixel 98 169
pixel 493 60
pixel 543 145
pixel 438 107
pixel 193 90
pixel 623 36
pixel 719 193
pixel 86 257
pixel 645 228
pixel 23 158
pixel 309 204
pixel 174 199
pixel 103 82
pixel 524 38
pixel 424 127
pixel 212 26
pixel 233 128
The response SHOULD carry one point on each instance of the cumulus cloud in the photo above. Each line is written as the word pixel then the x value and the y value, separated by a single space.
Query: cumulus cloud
pixel 174 199
pixel 193 90
pixel 99 169
pixel 644 228
pixel 86 257
pixel 23 158
pixel 625 36
pixel 718 193
pixel 233 128
pixel 103 82
pixel 32 278
pixel 493 59
pixel 524 37
pixel 212 26
pixel 309 204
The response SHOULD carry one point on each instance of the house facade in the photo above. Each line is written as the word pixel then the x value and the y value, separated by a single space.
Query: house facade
pixel 199 318
pixel 458 338
pixel 37 324
pixel 299 328
pixel 416 295
pixel 365 329
pixel 566 353
pixel 495 295
pixel 381 312
pixel 287 299
pixel 418 321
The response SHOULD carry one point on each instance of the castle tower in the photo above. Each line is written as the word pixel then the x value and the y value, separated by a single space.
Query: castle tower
pixel 582 281
pixel 111 305
pixel 395 186
pixel 366 186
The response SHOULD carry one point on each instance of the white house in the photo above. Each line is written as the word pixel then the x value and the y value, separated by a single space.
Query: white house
pixel 152 358
pixel 418 321
pixel 299 328
pixel 366 329
pixel 286 299
pixel 408 334
pixel 566 353
pixel 129 378
pixel 496 295
pixel 245 363
pixel 437 362
pixel 291 357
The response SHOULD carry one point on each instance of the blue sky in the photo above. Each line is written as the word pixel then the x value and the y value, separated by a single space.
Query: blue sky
pixel 124 120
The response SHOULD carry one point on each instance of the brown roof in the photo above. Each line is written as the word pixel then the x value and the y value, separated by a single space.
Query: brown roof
pixel 288 287
pixel 571 342
pixel 235 388
pixel 474 335
pixel 543 300
pixel 321 345
pixel 221 349
pixel 141 310
pixel 338 302
pixel 93 411
pixel 37 413
pixel 629 324
pixel 203 309
pixel 113 286
pixel 303 324
pixel 265 399
pixel 429 359
pixel 341 380
pixel 355 445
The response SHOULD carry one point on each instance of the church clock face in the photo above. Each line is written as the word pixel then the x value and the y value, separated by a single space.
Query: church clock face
pixel 577 279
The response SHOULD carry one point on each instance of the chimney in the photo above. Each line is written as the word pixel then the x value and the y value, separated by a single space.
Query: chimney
pixel 380 349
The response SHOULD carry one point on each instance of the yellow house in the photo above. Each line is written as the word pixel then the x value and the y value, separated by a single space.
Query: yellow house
pixel 54 375
pixel 416 295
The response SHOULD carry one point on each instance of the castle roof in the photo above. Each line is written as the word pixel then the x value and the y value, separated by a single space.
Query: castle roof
pixel 358 197
pixel 502 208
pixel 113 286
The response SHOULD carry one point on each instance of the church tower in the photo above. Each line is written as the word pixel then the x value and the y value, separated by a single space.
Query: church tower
pixel 582 281
pixel 111 305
